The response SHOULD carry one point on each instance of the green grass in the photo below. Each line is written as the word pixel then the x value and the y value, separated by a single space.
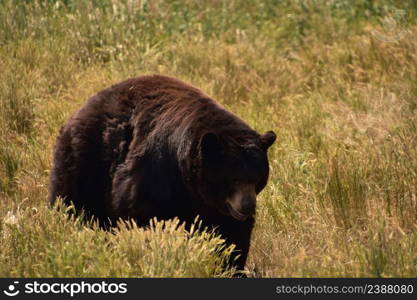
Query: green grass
pixel 336 80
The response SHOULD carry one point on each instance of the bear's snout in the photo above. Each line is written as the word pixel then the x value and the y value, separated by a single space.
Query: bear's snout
pixel 242 203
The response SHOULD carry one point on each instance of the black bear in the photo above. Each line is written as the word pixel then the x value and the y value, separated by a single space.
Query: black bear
pixel 154 146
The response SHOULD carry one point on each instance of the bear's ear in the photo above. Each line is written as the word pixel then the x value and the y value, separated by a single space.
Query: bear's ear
pixel 267 139
pixel 210 145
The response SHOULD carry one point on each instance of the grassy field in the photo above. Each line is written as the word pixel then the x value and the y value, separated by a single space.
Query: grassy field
pixel 336 80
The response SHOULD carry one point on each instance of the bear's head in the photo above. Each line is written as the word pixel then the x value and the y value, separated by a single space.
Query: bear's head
pixel 234 171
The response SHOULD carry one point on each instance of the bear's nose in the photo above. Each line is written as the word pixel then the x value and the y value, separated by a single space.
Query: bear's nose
pixel 242 202
pixel 243 209
pixel 248 205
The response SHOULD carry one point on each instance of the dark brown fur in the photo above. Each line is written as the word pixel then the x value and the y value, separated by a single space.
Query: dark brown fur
pixel 135 150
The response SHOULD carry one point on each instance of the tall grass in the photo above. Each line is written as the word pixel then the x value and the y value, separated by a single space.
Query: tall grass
pixel 335 79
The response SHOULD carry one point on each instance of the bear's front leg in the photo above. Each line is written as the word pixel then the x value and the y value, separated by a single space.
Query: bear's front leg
pixel 237 233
